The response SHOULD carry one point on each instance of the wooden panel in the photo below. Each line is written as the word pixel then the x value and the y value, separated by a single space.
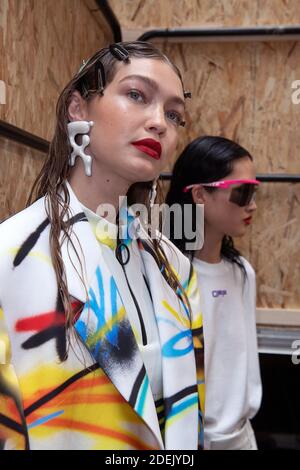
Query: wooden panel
pixel 243 91
pixel 42 45
pixel 273 245
pixel 278 317
pixel 19 166
pixel 236 95
pixel 177 13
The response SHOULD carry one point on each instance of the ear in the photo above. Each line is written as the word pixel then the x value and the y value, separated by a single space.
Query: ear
pixel 198 194
pixel 77 110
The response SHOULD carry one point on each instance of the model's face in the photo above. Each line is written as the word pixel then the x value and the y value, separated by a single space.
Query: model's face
pixel 223 216
pixel 144 101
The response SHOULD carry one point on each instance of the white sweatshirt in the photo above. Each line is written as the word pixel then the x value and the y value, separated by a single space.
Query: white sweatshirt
pixel 232 375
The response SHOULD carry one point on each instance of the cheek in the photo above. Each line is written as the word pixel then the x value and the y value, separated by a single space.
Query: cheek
pixel 216 218
pixel 220 214
pixel 108 132
pixel 233 221
pixel 171 146
pixel 113 116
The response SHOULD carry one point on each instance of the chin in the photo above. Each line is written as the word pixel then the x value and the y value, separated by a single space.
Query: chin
pixel 239 233
pixel 144 173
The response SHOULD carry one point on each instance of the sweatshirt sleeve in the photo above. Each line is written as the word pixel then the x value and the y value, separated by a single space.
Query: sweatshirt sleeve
pixel 193 295
pixel 254 376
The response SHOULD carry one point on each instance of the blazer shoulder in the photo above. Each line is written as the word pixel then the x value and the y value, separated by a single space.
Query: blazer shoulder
pixel 14 229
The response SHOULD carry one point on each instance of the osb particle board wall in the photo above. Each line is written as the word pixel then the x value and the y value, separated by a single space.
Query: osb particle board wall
pixel 273 245
pixel 176 13
pixel 243 91
pixel 42 44
pixel 19 166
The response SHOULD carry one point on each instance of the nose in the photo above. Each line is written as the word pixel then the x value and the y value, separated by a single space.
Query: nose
pixel 252 206
pixel 156 121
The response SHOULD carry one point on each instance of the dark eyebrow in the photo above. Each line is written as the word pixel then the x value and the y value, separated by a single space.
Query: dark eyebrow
pixel 152 84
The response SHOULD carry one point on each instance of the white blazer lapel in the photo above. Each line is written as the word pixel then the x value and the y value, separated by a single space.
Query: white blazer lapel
pixel 103 324
pixel 178 360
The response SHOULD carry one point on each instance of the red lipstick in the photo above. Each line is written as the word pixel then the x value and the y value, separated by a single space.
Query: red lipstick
pixel 149 146
pixel 248 221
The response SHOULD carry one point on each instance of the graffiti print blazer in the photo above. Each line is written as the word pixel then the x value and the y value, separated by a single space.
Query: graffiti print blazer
pixel 87 388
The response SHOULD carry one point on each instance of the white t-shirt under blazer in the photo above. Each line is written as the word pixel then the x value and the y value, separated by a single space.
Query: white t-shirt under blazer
pixel 232 375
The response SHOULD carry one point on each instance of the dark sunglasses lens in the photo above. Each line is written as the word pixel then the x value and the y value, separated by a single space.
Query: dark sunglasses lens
pixel 242 195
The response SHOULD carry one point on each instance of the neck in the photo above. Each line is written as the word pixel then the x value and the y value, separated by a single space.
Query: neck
pixel 103 187
pixel 211 250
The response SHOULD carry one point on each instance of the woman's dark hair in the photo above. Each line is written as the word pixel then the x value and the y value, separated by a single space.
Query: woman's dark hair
pixel 205 159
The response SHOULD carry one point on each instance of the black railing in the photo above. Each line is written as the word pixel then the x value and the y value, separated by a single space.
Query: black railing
pixel 232 34
pixel 263 177
pixel 23 137
pixel 257 33
pixel 18 135
pixel 111 19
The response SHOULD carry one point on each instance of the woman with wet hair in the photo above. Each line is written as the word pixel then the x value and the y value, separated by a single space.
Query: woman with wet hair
pixel 99 312
pixel 220 174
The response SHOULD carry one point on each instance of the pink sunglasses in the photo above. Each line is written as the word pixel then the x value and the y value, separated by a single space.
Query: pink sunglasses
pixel 222 184
pixel 243 195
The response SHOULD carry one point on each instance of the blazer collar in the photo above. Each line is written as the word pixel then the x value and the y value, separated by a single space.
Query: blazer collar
pixel 178 359
pixel 103 324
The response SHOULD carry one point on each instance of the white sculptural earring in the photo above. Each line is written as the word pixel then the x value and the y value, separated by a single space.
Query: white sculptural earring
pixel 153 193
pixel 80 127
